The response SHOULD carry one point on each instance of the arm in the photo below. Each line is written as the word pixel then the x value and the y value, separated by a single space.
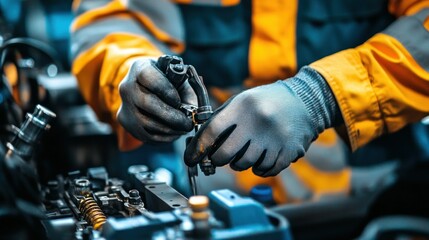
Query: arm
pixel 107 37
pixel 378 87
pixel 383 84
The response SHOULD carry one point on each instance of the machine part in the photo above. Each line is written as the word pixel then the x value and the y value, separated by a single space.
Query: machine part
pixel 405 227
pixel 258 225
pixel 158 196
pixel 204 110
pixel 173 68
pixel 192 174
pixel 135 203
pixel 134 169
pixel 263 194
pixel 207 167
pixel 200 217
pixel 244 218
pixel 53 190
pixel 30 132
pixel 20 174
pixel 98 177
pixel 21 199
pixel 164 175
pixel 189 109
pixel 61 228
pixel 198 204
pixel 134 198
pixel 151 209
pixel 92 212
pixel 142 227
pixel 82 186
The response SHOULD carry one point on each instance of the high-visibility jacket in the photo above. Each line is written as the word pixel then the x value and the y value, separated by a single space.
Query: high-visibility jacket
pixel 373 54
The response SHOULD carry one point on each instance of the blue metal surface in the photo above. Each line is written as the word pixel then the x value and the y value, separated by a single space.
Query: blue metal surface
pixel 244 218
pixel 263 194
pixel 138 227
pixel 240 218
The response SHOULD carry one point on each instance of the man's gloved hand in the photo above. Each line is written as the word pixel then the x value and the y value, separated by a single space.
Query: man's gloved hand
pixel 150 104
pixel 267 127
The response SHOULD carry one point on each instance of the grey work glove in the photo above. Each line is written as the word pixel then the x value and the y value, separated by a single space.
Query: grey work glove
pixel 267 127
pixel 150 104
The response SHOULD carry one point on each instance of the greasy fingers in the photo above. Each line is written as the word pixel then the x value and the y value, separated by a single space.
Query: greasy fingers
pixel 150 77
pixel 149 109
pixel 152 106
pixel 150 131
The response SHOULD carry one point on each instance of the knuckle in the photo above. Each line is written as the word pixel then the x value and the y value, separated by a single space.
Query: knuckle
pixel 266 112
pixel 263 110
pixel 249 99
pixel 139 64
pixel 123 89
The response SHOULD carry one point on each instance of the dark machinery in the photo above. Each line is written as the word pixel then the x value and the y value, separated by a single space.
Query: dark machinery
pixel 94 206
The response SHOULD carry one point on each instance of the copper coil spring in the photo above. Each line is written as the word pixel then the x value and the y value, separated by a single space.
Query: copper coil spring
pixel 92 212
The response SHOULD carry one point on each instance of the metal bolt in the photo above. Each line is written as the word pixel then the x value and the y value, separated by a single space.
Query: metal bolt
pixel 135 198
pixel 82 186
pixel 207 167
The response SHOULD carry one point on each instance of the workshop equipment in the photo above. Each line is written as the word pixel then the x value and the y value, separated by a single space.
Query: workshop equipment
pixel 143 207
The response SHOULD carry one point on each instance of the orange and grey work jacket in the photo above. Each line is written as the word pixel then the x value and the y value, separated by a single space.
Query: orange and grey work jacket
pixel 373 54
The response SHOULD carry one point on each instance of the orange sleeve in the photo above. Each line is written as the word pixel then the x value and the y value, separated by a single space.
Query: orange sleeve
pixel 107 38
pixel 407 7
pixel 383 84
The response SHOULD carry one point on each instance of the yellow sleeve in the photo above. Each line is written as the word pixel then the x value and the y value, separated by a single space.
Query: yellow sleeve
pixel 383 84
pixel 107 36
pixel 401 8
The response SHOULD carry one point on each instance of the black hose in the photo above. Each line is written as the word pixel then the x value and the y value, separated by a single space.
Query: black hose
pixel 199 88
